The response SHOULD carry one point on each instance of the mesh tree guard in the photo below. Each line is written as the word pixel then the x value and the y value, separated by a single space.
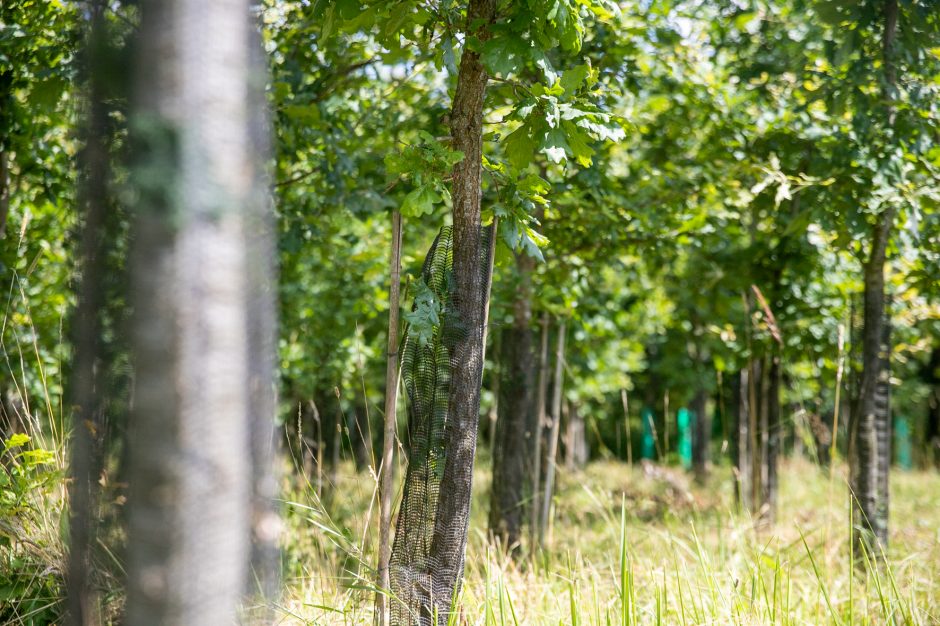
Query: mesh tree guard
pixel 421 595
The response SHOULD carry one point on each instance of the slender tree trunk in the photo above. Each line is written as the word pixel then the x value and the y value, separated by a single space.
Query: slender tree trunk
pixel 535 514
pixel 86 380
pixel 336 448
pixel 883 423
pixel 743 458
pixel 552 458
pixel 830 455
pixel 755 383
pixel 470 290
pixel 774 429
pixel 577 453
pixel 387 471
pixel 190 459
pixel 870 416
pixel 626 424
pixel 515 411
pixel 763 407
pixel 496 372
pixel 4 188
pixel 932 431
pixel 321 446
pixel 869 425
pixel 667 421
pixel 701 436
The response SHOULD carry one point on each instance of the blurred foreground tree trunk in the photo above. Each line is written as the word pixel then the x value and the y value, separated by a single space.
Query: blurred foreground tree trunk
pixel 263 580
pixel 202 334
pixel 87 391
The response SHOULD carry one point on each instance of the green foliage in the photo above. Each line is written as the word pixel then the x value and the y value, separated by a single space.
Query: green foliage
pixel 30 584
pixel 426 314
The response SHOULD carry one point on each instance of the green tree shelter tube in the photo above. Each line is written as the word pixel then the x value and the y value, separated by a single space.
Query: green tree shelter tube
pixel 902 443
pixel 685 437
pixel 649 441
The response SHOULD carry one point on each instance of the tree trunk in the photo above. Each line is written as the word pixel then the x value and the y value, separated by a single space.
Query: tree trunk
pixel 626 425
pixel 883 423
pixel 470 288
pixel 774 429
pixel 743 458
pixel 576 454
pixel 932 431
pixel 538 427
pixel 336 447
pixel 190 468
pixel 763 407
pixel 387 471
pixel 515 411
pixel 755 385
pixel 869 417
pixel 552 457
pixel 701 435
pixel 86 381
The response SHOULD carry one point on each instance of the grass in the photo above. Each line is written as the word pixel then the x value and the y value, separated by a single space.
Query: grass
pixel 644 546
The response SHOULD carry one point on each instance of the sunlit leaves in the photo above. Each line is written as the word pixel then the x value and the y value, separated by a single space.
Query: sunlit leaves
pixel 426 164
pixel 520 147
pixel 505 55
pixel 420 201
pixel 425 315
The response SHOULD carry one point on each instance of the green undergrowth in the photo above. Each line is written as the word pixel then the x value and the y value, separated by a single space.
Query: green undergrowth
pixel 642 545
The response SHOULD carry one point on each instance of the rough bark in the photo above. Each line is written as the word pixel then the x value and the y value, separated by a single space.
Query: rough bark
pixel 515 406
pixel 870 427
pixel 387 471
pixel 189 521
pixel 883 425
pixel 870 411
pixel 86 384
pixel 453 515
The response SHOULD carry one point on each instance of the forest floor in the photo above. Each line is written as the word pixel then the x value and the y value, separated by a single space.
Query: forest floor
pixel 690 557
